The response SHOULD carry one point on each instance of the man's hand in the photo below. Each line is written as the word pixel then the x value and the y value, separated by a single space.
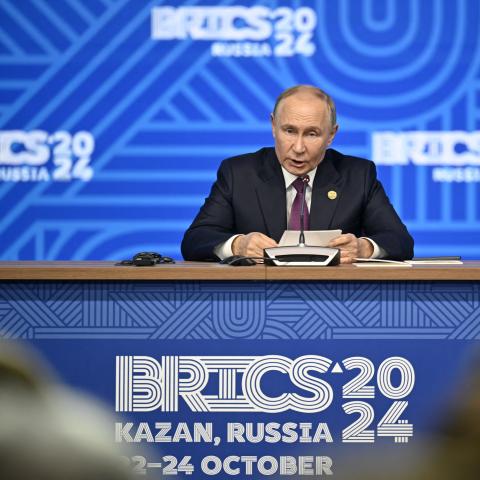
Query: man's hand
pixel 351 247
pixel 252 245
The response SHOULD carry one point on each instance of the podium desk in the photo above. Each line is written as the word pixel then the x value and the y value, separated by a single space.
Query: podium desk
pixel 208 300
pixel 414 328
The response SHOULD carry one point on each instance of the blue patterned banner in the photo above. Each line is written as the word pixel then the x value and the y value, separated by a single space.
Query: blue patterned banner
pixel 241 310
pixel 294 378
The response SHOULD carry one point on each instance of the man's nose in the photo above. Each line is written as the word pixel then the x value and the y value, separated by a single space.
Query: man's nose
pixel 299 145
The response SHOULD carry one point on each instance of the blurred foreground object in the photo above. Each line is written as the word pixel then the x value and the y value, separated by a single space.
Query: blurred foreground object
pixel 458 448
pixel 49 432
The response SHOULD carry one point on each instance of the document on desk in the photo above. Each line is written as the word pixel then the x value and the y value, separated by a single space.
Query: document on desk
pixel 313 238
pixel 379 262
pixel 435 261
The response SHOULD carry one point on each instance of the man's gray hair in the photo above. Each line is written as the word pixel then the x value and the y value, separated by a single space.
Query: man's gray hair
pixel 318 92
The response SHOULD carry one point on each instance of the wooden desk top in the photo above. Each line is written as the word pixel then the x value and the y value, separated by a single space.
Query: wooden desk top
pixel 184 271
pixel 101 270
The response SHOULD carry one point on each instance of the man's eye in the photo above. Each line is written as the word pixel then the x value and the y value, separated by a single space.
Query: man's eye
pixel 313 134
pixel 289 130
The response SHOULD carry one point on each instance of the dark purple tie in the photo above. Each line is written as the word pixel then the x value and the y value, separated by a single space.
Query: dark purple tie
pixel 300 185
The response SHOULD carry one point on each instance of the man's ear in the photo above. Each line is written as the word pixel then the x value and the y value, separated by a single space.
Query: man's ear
pixel 272 121
pixel 332 134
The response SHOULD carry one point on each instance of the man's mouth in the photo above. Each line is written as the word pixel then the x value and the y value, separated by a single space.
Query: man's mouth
pixel 297 163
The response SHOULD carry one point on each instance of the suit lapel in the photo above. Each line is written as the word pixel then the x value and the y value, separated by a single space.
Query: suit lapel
pixel 322 209
pixel 271 196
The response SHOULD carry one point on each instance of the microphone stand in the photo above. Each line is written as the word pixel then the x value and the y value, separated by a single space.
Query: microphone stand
pixel 301 238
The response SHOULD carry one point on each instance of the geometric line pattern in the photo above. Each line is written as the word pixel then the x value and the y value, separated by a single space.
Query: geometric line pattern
pixel 240 310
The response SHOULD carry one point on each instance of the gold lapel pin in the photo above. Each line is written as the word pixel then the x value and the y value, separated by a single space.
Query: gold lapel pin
pixel 332 194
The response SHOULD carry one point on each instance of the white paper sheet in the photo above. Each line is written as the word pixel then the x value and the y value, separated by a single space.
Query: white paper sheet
pixel 313 238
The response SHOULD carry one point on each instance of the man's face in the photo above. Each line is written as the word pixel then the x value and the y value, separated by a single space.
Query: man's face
pixel 302 131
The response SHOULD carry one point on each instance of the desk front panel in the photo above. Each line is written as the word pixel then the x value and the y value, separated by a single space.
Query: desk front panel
pixel 307 361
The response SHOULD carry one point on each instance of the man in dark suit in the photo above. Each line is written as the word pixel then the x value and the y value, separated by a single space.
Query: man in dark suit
pixel 253 200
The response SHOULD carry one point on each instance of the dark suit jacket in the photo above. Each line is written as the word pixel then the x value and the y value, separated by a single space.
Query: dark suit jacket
pixel 249 196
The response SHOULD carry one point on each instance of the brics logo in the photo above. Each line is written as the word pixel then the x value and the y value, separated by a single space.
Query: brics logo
pixel 455 155
pixel 233 383
pixel 37 156
pixel 239 31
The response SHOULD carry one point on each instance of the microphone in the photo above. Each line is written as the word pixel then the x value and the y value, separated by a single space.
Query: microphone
pixel 301 238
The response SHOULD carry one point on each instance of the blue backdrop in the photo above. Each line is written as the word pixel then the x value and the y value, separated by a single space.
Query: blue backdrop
pixel 115 114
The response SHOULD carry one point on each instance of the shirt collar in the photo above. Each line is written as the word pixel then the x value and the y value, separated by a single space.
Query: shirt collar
pixel 290 178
